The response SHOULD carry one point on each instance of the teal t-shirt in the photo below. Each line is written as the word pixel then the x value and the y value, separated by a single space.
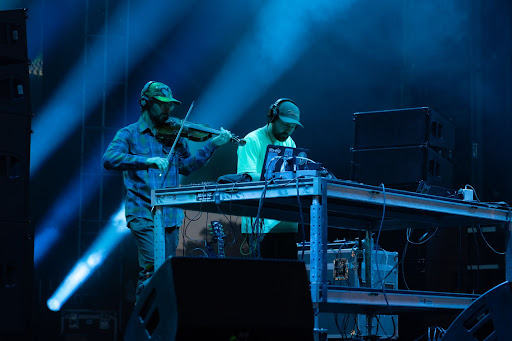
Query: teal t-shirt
pixel 250 160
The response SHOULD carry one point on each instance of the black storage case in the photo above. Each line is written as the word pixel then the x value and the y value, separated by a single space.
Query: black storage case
pixel 85 324
pixel 403 127
pixel 401 167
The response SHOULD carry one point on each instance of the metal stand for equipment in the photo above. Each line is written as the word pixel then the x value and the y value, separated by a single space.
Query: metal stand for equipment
pixel 347 205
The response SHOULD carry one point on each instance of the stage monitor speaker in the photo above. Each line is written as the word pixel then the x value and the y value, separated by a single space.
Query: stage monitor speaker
pixel 488 318
pixel 403 127
pixel 224 299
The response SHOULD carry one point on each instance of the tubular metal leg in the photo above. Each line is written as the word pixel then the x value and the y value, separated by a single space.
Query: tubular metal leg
pixel 159 238
pixel 316 257
pixel 318 261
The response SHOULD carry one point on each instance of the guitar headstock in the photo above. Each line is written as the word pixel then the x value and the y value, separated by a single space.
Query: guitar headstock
pixel 217 230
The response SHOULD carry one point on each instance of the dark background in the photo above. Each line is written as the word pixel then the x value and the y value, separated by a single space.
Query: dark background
pixel 90 60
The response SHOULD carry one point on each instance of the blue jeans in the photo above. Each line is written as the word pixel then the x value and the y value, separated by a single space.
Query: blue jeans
pixel 143 231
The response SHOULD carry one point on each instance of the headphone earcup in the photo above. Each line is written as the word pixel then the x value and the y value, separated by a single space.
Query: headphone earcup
pixel 273 111
pixel 270 114
pixel 273 114
pixel 144 101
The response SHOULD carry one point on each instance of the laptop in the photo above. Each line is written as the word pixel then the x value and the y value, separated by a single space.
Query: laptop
pixel 281 159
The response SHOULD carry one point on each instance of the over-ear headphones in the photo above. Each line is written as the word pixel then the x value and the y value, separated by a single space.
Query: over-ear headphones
pixel 273 111
pixel 144 99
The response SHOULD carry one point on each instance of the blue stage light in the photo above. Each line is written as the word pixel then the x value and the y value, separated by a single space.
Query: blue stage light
pixel 63 211
pixel 11 4
pixel 282 31
pixel 113 233
pixel 65 110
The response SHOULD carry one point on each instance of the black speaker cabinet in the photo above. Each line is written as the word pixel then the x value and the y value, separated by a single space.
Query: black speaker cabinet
pixel 15 89
pixel 14 165
pixel 16 277
pixel 224 299
pixel 401 167
pixel 403 127
pixel 488 318
pixel 13 36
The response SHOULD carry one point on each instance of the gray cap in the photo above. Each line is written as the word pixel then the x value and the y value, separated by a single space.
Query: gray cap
pixel 289 113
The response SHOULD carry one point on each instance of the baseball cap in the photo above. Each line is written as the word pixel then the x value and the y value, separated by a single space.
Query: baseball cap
pixel 290 113
pixel 161 92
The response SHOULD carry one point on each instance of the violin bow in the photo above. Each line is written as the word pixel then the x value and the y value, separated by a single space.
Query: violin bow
pixel 175 141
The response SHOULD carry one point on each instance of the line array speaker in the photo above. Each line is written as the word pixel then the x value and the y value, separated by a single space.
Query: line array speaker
pixel 13 36
pixel 16 276
pixel 403 127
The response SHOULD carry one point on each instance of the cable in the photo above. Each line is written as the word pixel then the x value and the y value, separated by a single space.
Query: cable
pixel 271 165
pixel 382 327
pixel 331 175
pixel 189 221
pixel 198 248
pixel 230 220
pixel 195 218
pixel 198 215
pixel 257 224
pixel 387 275
pixel 242 243
pixel 402 265
pixel 376 260
pixel 232 232
pixel 409 241
pixel 408 235
pixel 489 245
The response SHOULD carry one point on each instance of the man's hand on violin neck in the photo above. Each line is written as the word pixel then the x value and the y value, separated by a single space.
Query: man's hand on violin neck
pixel 157 162
pixel 223 138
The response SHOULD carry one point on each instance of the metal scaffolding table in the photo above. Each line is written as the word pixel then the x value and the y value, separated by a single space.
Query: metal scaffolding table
pixel 324 203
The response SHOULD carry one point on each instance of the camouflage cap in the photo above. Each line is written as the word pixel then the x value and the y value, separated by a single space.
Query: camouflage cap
pixel 160 92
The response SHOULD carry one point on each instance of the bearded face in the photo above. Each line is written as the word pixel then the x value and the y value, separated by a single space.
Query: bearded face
pixel 282 130
pixel 159 112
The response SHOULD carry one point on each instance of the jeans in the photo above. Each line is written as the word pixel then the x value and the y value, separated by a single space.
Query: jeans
pixel 143 231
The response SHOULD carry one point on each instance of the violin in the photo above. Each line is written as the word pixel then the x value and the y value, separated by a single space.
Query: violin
pixel 192 131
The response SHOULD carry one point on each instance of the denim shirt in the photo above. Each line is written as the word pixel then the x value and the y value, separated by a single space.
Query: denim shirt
pixel 128 152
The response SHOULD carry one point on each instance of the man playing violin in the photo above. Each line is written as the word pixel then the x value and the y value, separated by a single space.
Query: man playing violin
pixel 141 151
pixel 283 117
